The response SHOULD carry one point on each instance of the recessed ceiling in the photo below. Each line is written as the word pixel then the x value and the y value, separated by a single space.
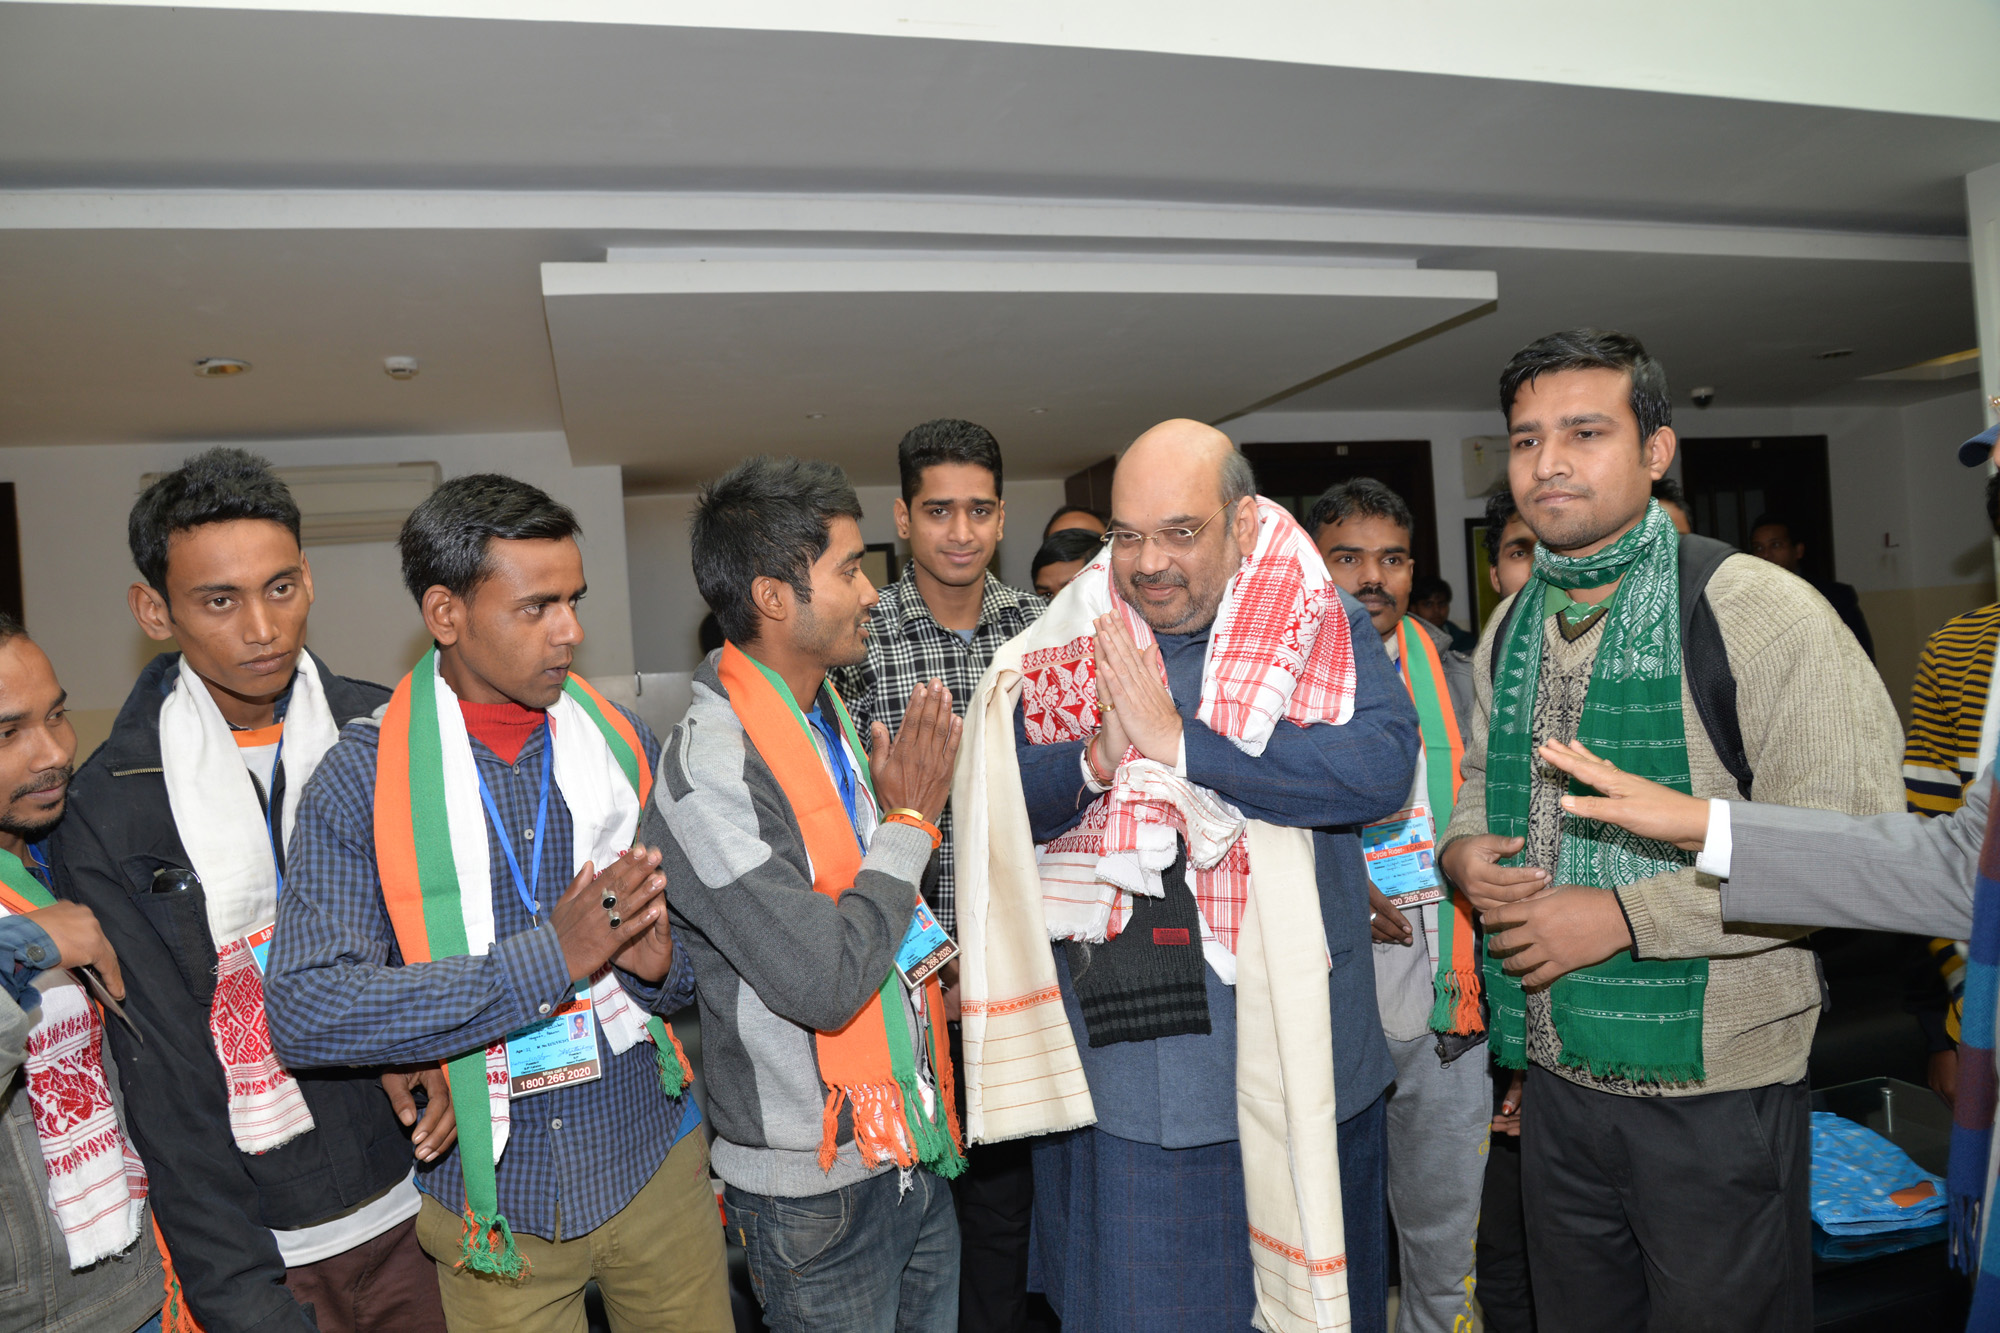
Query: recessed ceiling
pixel 108 307
pixel 1750 327
pixel 96 95
pixel 677 370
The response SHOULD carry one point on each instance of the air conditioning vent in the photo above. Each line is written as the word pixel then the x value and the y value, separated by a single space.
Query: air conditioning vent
pixel 360 502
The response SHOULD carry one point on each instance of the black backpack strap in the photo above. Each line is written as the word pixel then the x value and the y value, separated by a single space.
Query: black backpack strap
pixel 1500 639
pixel 1705 658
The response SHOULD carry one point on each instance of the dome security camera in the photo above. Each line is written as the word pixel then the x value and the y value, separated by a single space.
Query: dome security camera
pixel 1703 396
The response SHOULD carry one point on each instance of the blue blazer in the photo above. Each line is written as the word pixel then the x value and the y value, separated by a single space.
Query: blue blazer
pixel 1180 1092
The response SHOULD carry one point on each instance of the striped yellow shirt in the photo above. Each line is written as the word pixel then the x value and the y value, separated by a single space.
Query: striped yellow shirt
pixel 1947 706
pixel 1941 755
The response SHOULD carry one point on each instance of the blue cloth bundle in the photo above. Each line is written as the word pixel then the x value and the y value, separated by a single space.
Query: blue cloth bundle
pixel 1863 1185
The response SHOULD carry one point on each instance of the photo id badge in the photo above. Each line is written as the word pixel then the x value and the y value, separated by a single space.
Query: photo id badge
pixel 260 947
pixel 556 1052
pixel 1401 855
pixel 925 948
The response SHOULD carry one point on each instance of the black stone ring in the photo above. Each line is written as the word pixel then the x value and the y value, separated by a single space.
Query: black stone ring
pixel 610 901
pixel 614 920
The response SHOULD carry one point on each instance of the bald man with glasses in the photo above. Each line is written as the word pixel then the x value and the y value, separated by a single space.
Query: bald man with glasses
pixel 1140 1217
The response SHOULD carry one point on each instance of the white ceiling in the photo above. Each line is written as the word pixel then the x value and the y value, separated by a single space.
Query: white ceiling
pixel 147 97
pixel 381 186
pixel 677 369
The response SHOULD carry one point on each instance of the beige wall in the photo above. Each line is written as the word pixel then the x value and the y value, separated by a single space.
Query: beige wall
pixel 75 564
pixel 667 610
pixel 1910 529
pixel 1902 619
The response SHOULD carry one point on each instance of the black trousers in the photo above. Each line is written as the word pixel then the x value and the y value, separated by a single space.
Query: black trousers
pixel 1501 1256
pixel 1668 1214
pixel 996 1202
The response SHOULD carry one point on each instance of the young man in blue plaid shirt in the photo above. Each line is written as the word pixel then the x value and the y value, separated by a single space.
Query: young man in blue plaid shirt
pixel 601 1177
pixel 943 620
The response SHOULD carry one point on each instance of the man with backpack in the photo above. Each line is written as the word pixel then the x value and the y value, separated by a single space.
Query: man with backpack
pixel 1664 1130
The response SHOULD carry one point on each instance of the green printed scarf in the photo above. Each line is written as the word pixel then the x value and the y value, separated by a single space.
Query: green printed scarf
pixel 1621 1018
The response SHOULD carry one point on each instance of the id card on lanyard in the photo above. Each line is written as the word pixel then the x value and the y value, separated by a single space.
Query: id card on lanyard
pixel 557 1052
pixel 560 1050
pixel 925 947
pixel 1400 854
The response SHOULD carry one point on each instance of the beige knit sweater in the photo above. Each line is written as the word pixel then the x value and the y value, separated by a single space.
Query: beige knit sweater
pixel 1819 731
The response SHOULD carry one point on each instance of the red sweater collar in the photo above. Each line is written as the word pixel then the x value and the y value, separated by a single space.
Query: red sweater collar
pixel 503 727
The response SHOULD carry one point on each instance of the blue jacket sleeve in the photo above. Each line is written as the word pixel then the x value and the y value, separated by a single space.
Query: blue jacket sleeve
pixel 1051 781
pixel 1322 776
pixel 30 951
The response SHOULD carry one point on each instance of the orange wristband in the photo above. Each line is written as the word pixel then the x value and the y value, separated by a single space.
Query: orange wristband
pixel 915 819
pixel 1091 759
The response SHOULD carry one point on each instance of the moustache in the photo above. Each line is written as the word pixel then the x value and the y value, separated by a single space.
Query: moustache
pixel 1165 578
pixel 1372 590
pixel 1568 488
pixel 49 779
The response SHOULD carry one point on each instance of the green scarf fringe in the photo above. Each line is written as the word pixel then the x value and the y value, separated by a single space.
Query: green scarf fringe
pixel 482 1256
pixel 672 1077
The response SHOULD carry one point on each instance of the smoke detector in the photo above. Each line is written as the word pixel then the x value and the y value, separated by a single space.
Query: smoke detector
pixel 215 367
pixel 400 367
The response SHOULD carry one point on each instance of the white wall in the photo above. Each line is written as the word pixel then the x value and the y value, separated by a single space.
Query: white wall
pixel 1893 470
pixel 73 501
pixel 667 611
pixel 1910 529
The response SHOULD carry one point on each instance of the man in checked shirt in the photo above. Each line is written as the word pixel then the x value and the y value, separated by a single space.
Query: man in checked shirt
pixel 943 620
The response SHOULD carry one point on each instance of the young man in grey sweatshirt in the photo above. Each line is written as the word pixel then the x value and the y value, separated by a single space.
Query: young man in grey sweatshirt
pixel 778 962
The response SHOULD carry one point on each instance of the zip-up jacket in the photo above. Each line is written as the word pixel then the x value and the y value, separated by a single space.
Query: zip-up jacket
pixel 216 1204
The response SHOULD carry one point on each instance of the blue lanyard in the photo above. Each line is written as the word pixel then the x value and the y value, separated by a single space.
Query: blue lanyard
pixel 40 864
pixel 845 780
pixel 528 886
pixel 271 811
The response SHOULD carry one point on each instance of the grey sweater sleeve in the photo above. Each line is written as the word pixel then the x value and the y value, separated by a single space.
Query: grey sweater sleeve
pixel 737 871
pixel 14 1027
pixel 1899 872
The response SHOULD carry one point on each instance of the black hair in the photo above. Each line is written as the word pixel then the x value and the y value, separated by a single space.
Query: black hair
pixel 767 517
pixel 446 540
pixel 11 629
pixel 1500 508
pixel 1059 548
pixel 1594 349
pixel 709 634
pixel 218 486
pixel 1772 519
pixel 1428 587
pixel 1363 497
pixel 946 440
pixel 1074 509
pixel 1992 506
pixel 1668 492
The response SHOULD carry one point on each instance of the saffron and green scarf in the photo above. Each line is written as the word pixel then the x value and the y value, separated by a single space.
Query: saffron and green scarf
pixel 1621 1018
pixel 869 1065
pixel 415 856
pixel 1456 983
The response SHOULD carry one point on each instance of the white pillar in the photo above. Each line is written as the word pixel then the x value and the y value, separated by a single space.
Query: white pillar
pixel 1982 206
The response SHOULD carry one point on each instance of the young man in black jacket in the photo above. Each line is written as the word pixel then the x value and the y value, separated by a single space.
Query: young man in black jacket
pixel 288 1202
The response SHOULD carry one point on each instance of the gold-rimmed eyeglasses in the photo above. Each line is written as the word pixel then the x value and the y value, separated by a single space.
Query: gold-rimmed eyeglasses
pixel 1126 543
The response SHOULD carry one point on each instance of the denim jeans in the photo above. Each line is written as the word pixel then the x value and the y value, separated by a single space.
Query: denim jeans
pixel 865 1259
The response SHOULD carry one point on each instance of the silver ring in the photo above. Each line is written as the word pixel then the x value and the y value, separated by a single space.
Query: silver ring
pixel 614 920
pixel 1371 917
pixel 610 901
